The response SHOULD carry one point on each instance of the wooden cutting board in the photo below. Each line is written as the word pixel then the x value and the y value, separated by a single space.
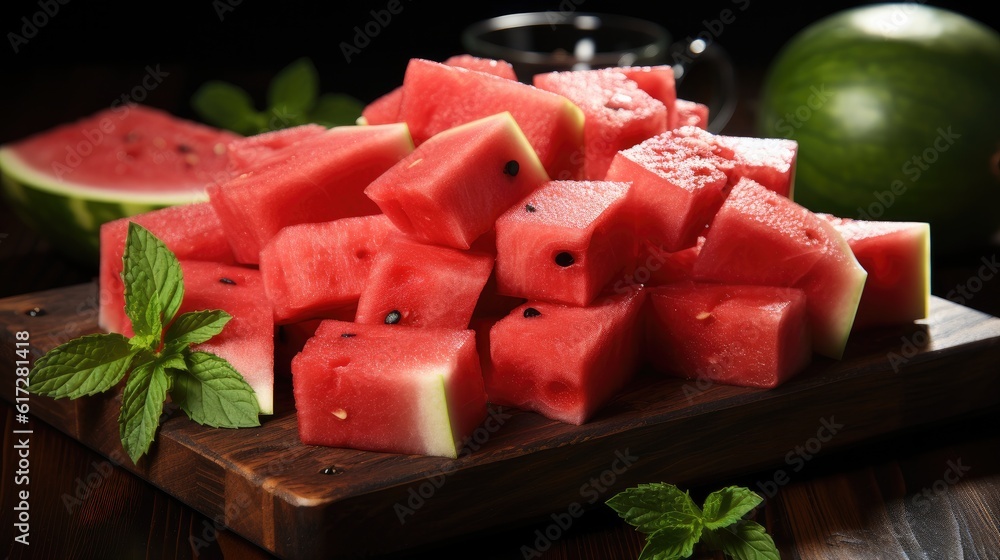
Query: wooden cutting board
pixel 312 502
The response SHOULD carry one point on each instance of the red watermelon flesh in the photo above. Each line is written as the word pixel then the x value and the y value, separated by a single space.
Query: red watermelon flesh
pixel 385 108
pixel 658 82
pixel 191 231
pixel 250 151
pixel 247 340
pixel 690 113
pixel 655 267
pixel 452 188
pixel 312 270
pixel 564 362
pixel 134 149
pixel 751 336
pixel 291 338
pixel 762 238
pixel 323 180
pixel 565 241
pixel 618 114
pixel 768 161
pixel 437 97
pixel 897 257
pixel 389 388
pixel 424 285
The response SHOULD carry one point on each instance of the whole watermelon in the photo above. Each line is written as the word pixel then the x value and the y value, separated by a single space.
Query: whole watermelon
pixel 896 108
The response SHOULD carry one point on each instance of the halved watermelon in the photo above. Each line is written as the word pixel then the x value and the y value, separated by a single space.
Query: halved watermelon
pixel 389 388
pixel 760 237
pixel 68 181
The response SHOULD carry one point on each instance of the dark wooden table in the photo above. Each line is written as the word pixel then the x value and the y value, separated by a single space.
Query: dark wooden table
pixel 932 493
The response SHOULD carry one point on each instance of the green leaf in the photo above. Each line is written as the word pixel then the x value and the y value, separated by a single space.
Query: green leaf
pixel 195 327
pixel 747 540
pixel 671 543
pixel 729 505
pixel 142 403
pixel 153 281
pixel 212 393
pixel 647 505
pixel 335 109
pixel 295 88
pixel 226 105
pixel 83 366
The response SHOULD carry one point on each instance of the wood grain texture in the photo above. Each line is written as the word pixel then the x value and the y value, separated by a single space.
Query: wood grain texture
pixel 272 490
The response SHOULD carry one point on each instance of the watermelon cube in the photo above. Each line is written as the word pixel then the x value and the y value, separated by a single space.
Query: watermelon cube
pixel 751 336
pixel 658 82
pixel 452 188
pixel 420 285
pixel 389 388
pixel 247 341
pixel 617 113
pixel 762 238
pixel 768 161
pixel 689 113
pixel 191 231
pixel 437 97
pixel 249 151
pixel 565 362
pixel 897 257
pixel 312 270
pixel 565 241
pixel 323 179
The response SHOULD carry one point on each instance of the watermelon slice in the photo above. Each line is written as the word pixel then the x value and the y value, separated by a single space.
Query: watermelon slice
pixel 617 113
pixel 68 181
pixel 452 188
pixel 247 152
pixel 438 97
pixel 389 388
pixel 897 257
pixel 565 241
pixel 564 362
pixel 760 237
pixel 751 336
pixel 191 231
pixel 421 285
pixel 312 270
pixel 322 180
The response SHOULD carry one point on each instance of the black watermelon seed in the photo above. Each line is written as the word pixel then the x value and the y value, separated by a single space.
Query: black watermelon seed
pixel 332 470
pixel 35 312
pixel 229 281
pixel 184 148
pixel 393 317
pixel 511 168
pixel 564 259
pixel 531 312
pixel 529 208
pixel 348 335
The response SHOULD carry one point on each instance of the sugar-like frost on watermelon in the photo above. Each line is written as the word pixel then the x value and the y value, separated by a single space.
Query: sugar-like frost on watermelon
pixel 389 388
pixel 565 362
pixel 760 237
pixel 315 269
pixel 451 189
pixel 657 81
pixel 751 336
pixel 689 113
pixel 322 180
pixel 191 231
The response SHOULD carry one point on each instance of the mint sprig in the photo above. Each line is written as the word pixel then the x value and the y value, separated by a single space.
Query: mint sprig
pixel 157 364
pixel 293 99
pixel 674 524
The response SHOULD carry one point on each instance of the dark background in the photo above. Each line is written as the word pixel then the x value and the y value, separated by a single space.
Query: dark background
pixel 90 53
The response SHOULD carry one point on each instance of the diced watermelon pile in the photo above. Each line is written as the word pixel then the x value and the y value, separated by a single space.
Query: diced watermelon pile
pixel 476 239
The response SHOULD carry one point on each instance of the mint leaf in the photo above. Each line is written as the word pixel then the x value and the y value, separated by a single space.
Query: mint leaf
pixel 671 543
pixel 294 89
pixel 647 505
pixel 227 106
pixel 195 327
pixel 142 403
pixel 212 393
pixel 335 109
pixel 83 366
pixel 153 281
pixel 729 505
pixel 747 540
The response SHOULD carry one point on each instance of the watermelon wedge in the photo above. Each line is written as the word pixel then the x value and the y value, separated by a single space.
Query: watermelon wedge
pixel 250 151
pixel 67 181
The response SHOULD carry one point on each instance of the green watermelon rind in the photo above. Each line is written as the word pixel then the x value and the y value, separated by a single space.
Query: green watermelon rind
pixel 69 215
